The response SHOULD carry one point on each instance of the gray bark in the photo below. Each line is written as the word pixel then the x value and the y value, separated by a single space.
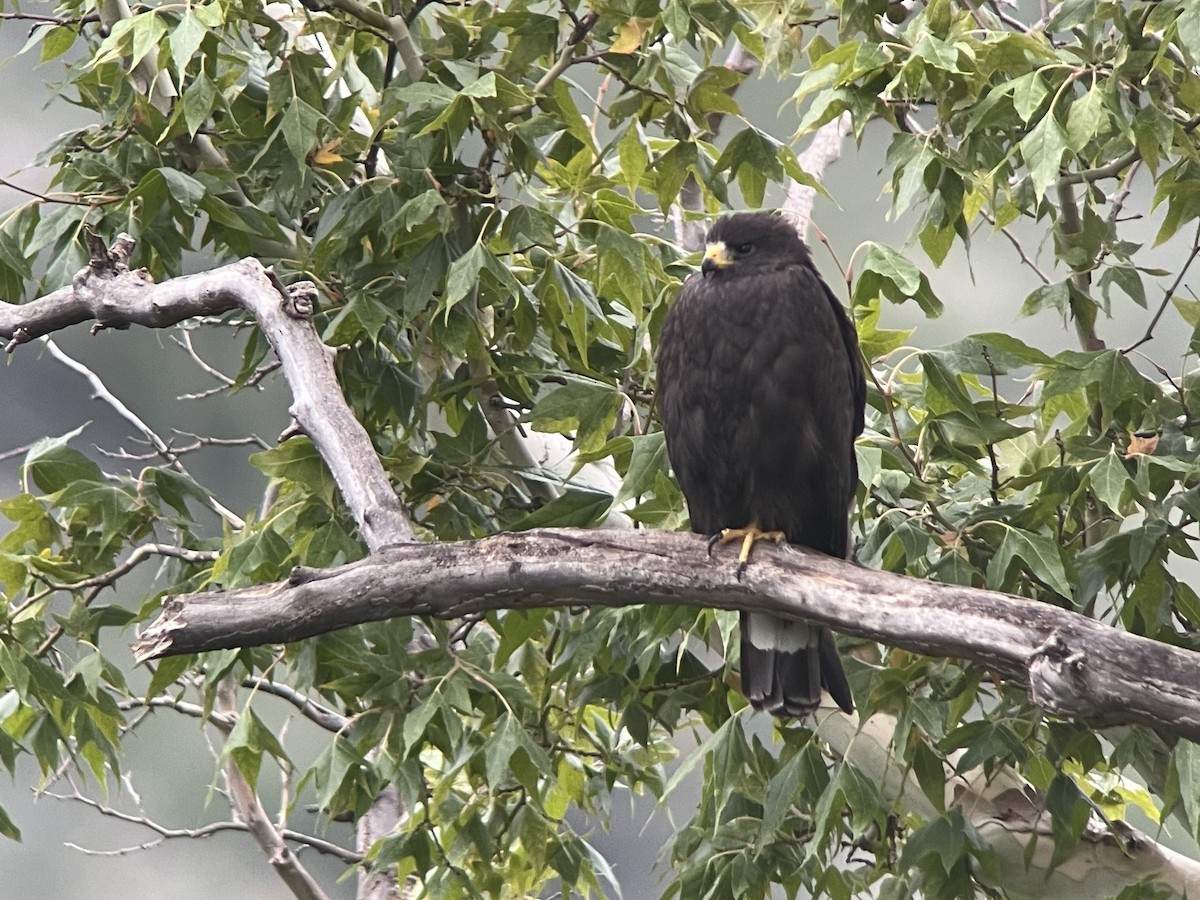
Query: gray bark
pixel 1074 666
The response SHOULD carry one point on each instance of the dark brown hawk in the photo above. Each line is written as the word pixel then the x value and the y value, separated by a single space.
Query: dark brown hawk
pixel 761 394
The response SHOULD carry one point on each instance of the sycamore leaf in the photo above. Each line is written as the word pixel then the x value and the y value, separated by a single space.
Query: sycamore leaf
pixel 630 35
pixel 1036 553
pixel 325 155
pixel 1042 149
pixel 577 508
pixel 1111 482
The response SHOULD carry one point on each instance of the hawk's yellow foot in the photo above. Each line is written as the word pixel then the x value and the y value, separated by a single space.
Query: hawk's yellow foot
pixel 747 536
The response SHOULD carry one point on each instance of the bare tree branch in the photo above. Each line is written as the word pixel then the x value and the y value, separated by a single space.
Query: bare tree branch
pixel 139 555
pixel 1068 661
pixel 824 150
pixel 250 811
pixel 1074 666
pixel 117 297
pixel 385 812
pixel 394 27
pixel 101 392
pixel 166 833
pixel 321 715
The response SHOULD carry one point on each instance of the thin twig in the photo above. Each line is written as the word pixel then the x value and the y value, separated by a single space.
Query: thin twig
pixel 1167 295
pixel 104 394
pixel 1025 259
pixel 191 710
pixel 321 715
pixel 140 554
pixel 72 198
pixel 164 833
pixel 991 447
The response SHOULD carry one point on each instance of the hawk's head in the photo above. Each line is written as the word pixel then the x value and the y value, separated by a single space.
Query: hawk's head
pixel 749 241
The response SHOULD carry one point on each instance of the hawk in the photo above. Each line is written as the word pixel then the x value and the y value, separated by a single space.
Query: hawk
pixel 761 394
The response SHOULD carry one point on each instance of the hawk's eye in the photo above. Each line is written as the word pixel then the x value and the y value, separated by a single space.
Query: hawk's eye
pixel 743 249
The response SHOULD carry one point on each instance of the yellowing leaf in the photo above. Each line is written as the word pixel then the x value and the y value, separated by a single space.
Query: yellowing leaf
pixel 325 155
pixel 630 36
pixel 1142 443
pixel 1141 798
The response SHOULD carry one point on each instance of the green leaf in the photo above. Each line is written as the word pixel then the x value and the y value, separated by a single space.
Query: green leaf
pixel 1085 116
pixel 937 53
pixel 516 628
pixel 911 158
pixel 463 276
pixel 184 190
pixel 634 160
pixel 131 38
pixel 107 505
pixel 1069 814
pixel 887 273
pixel 1029 91
pixel 1128 279
pixel 185 40
pixel 576 508
pixel 261 555
pixel 247 742
pixel 781 793
pixel 53 465
pixel 165 674
pixel 1185 759
pixel 7 827
pixel 1043 149
pixel 939 839
pixel 1109 373
pixel 936 242
pixel 510 752
pixel 1188 29
pixel 588 408
pixel 148 30
pixel 992 353
pixel 299 129
pixel 198 102
pixel 1036 553
pixel 931 775
pixel 58 40
pixel 425 272
pixel 649 458
pixel 942 384
pixel 753 158
pixel 296 459
pixel 1110 481
pixel 334 769
pixel 498 751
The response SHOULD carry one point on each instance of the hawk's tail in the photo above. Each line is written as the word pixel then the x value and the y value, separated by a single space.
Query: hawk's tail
pixel 785 663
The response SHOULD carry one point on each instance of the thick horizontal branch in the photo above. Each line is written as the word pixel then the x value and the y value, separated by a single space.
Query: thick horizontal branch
pixel 118 299
pixel 1074 666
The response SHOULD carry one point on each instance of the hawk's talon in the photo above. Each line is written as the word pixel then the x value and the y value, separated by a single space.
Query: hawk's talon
pixel 747 536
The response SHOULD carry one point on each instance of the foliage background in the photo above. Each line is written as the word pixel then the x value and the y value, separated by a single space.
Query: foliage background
pixel 985 302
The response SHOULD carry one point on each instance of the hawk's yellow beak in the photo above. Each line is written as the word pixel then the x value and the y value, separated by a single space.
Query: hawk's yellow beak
pixel 716 256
